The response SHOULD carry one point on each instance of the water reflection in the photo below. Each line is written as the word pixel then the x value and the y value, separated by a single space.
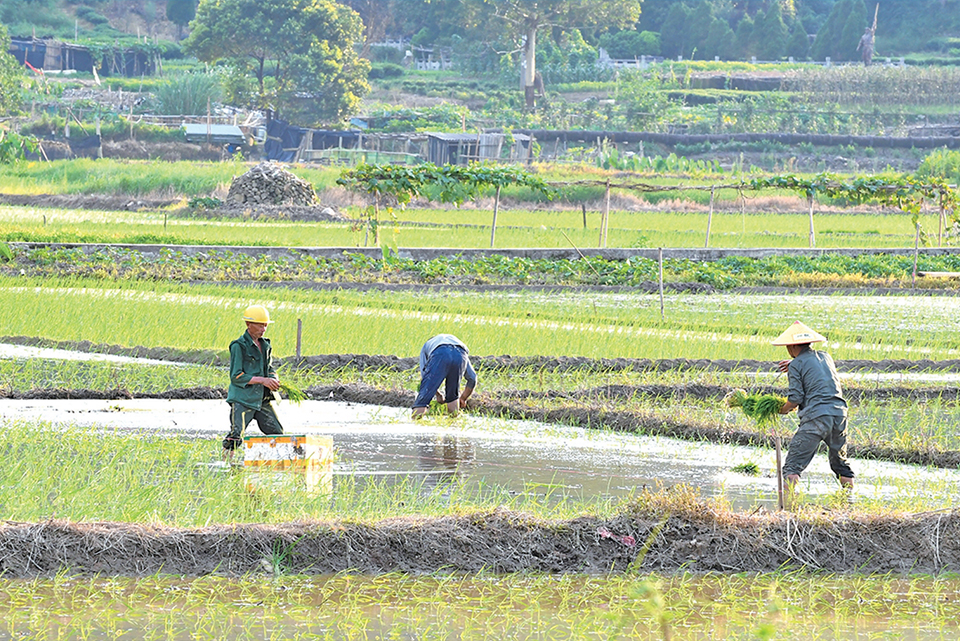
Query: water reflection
pixel 441 458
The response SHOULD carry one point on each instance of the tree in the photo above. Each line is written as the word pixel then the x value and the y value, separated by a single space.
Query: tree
pixel 629 44
pixel 721 41
pixel 11 77
pixel 527 17
pixel 771 33
pixel 180 13
pixel 746 42
pixel 378 18
pixel 301 52
pixel 828 40
pixel 799 44
pixel 698 30
pixel 673 34
pixel 852 31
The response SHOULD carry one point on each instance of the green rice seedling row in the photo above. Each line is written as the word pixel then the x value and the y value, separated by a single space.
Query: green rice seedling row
pixel 614 325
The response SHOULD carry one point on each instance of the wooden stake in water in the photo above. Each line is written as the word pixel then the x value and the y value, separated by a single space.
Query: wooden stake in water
pixel 813 240
pixel 776 445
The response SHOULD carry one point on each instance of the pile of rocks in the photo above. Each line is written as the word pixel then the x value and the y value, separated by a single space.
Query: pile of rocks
pixel 270 184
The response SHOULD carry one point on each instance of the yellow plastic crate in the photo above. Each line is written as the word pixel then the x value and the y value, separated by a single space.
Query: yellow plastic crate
pixel 274 461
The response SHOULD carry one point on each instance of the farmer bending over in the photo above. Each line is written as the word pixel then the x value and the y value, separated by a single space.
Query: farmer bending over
pixel 444 358
pixel 815 390
pixel 252 381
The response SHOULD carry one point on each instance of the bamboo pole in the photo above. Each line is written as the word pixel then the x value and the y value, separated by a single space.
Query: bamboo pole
pixel 660 262
pixel 496 210
pixel 299 336
pixel 710 216
pixel 813 239
pixel 943 220
pixel 777 447
pixel 916 253
pixel 605 219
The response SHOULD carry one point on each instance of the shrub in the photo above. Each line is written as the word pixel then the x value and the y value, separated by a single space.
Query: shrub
pixel 189 93
pixel 942 163
pixel 385 70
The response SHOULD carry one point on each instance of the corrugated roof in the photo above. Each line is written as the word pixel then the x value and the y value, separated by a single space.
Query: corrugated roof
pixel 218 133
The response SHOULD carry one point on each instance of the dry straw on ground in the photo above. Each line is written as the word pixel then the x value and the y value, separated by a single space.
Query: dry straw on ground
pixel 663 534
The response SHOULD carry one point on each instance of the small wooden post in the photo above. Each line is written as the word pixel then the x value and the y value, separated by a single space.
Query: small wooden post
pixel 583 208
pixel 299 336
pixel 660 261
pixel 710 215
pixel 164 221
pixel 810 201
pixel 496 210
pixel 916 254
pixel 776 445
pixel 943 220
pixel 605 219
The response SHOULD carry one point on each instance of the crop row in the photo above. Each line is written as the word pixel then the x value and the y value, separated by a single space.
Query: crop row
pixel 223 265
pixel 593 324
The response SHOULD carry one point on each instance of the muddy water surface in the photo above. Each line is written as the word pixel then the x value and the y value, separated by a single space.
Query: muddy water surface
pixel 486 455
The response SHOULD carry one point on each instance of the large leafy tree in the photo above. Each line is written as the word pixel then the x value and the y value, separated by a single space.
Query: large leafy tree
pixel 11 77
pixel 180 13
pixel 301 52
pixel 525 18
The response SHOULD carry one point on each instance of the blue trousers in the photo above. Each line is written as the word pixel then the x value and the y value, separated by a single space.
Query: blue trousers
pixel 447 364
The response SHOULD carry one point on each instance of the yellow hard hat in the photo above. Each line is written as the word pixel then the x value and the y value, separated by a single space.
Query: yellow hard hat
pixel 798 334
pixel 257 314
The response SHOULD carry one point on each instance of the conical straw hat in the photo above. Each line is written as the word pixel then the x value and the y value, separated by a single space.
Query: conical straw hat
pixel 798 334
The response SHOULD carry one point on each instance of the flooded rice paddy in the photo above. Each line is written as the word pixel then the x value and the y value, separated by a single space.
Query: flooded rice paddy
pixel 548 462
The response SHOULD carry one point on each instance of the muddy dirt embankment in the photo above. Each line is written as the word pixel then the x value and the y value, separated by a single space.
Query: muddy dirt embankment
pixel 392 363
pixel 698 539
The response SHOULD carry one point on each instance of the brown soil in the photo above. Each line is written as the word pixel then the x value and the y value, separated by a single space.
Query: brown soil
pixel 254 211
pixel 491 363
pixel 85 201
pixel 698 539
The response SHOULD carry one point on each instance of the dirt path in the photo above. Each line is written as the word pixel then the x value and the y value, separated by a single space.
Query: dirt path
pixel 694 538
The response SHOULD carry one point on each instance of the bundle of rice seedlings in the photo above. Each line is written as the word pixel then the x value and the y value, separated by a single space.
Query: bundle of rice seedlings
pixel 763 408
pixel 293 393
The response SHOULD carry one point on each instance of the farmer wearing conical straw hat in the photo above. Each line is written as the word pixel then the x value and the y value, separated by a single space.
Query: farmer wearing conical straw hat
pixel 816 395
pixel 252 381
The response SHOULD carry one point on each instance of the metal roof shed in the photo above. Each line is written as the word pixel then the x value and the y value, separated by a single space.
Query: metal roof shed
pixel 218 134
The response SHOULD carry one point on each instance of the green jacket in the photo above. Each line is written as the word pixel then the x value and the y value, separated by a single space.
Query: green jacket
pixel 247 361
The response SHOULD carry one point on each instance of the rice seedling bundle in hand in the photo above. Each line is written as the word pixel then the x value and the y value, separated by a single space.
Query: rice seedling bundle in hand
pixel 763 408
pixel 293 393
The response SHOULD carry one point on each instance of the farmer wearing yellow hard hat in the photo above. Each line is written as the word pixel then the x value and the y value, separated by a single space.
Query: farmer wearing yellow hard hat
pixel 816 395
pixel 252 381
